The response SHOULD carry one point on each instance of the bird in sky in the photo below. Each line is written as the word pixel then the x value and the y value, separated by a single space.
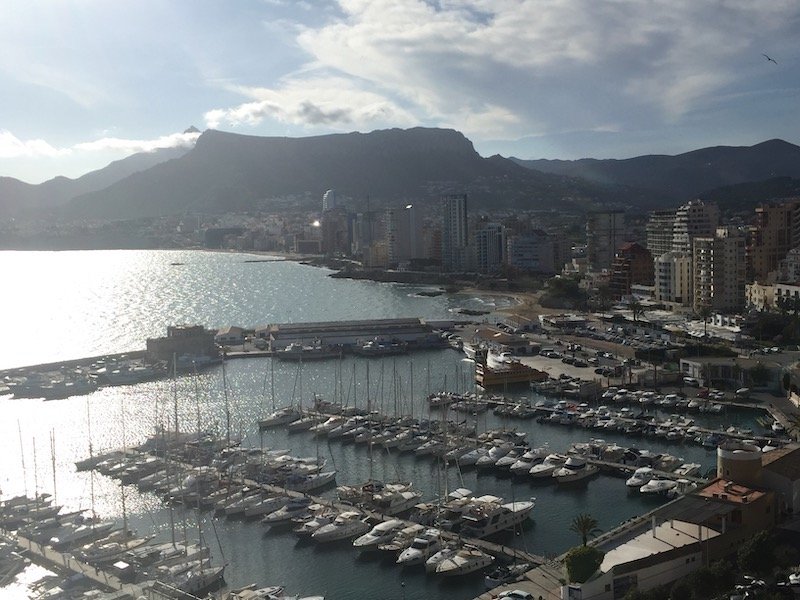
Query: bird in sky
pixel 769 58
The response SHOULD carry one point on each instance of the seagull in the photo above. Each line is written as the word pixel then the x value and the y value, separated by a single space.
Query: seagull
pixel 769 58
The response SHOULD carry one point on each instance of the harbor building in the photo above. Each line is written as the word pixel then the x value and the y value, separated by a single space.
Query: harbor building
pixel 349 335
pixel 455 236
pixel 719 271
pixel 183 340
pixel 605 231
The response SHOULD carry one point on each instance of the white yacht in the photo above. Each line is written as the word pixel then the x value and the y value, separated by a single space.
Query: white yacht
pixel 658 486
pixel 281 416
pixel 349 524
pixel 395 501
pixel 466 560
pixel 321 518
pixel 382 532
pixel 688 470
pixel 295 507
pixel 640 476
pixel 488 518
pixel 575 469
pixel 524 463
pixel 449 550
pixel 265 506
pixel 402 539
pixel 547 467
pixel 422 548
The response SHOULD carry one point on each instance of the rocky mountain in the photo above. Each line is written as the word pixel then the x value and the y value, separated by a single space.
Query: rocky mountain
pixel 227 171
pixel 19 198
pixel 673 179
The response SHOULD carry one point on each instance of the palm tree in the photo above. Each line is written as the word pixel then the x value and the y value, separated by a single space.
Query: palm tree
pixel 586 526
pixel 704 311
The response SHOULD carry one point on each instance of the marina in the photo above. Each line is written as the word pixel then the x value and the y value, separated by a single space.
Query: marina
pixel 231 398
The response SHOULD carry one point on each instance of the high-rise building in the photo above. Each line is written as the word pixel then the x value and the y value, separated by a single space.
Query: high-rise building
pixel 538 252
pixel 404 234
pixel 633 264
pixel 605 231
pixel 329 200
pixel 455 238
pixel 776 231
pixel 673 278
pixel 719 271
pixel 693 219
pixel 490 248
pixel 659 231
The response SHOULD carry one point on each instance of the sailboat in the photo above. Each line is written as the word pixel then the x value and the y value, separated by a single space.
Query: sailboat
pixel 287 414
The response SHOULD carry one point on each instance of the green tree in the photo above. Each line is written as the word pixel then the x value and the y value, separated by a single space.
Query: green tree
pixel 636 308
pixel 582 562
pixel 755 555
pixel 585 526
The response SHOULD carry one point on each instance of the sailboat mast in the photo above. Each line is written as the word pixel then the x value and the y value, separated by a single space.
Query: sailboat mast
pixel 227 407
pixel 53 460
pixel 22 457
pixel 175 393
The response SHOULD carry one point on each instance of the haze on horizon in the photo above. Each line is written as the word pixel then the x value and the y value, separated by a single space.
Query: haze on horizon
pixel 86 82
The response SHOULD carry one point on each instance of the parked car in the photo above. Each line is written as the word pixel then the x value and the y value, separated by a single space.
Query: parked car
pixel 691 381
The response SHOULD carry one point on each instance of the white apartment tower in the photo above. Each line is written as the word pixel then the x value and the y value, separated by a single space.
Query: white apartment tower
pixel 719 271
pixel 659 232
pixel 673 278
pixel 455 239
pixel 329 200
pixel 693 219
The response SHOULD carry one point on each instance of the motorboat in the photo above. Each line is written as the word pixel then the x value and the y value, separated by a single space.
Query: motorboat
pixel 310 481
pixel 293 508
pixel 422 547
pixel 466 560
pixel 79 534
pixel 449 550
pixel 382 532
pixel 348 524
pixel 392 502
pixel 265 506
pixel 640 476
pixel 546 468
pixel 282 416
pixel 503 574
pixel 658 486
pixel 402 539
pixel 688 470
pixel 487 518
pixel 322 517
pixel 524 463
pixel 575 469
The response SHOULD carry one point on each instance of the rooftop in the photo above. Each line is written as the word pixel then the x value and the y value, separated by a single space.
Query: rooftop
pixel 667 536
pixel 783 461
pixel 729 491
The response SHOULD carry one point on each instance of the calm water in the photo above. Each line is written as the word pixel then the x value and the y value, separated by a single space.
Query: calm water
pixel 78 304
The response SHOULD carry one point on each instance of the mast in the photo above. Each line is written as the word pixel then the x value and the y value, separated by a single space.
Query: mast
pixel 22 457
pixel 227 406
pixel 53 460
pixel 175 393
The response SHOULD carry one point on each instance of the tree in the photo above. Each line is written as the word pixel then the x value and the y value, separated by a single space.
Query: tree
pixel 704 312
pixel 636 308
pixel 582 562
pixel 585 526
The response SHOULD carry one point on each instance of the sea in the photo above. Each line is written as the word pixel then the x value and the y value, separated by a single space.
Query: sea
pixel 70 305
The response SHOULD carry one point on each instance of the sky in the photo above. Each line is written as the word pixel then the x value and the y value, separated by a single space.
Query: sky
pixel 86 82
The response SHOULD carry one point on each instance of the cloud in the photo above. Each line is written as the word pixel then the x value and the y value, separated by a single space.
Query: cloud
pixel 13 147
pixel 331 102
pixel 173 140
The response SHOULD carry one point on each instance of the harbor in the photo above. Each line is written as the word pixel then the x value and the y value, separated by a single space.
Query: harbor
pixel 232 397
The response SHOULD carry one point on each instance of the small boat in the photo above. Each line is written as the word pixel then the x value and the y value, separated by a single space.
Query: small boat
pixel 382 532
pixel 466 560
pixel 575 469
pixel 421 548
pixel 295 507
pixel 640 476
pixel 503 574
pixel 658 486
pixel 282 416
pixel 546 468
pixel 349 524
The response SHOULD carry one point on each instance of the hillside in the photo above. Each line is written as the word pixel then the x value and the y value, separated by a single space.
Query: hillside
pixel 684 176
pixel 20 198
pixel 228 171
